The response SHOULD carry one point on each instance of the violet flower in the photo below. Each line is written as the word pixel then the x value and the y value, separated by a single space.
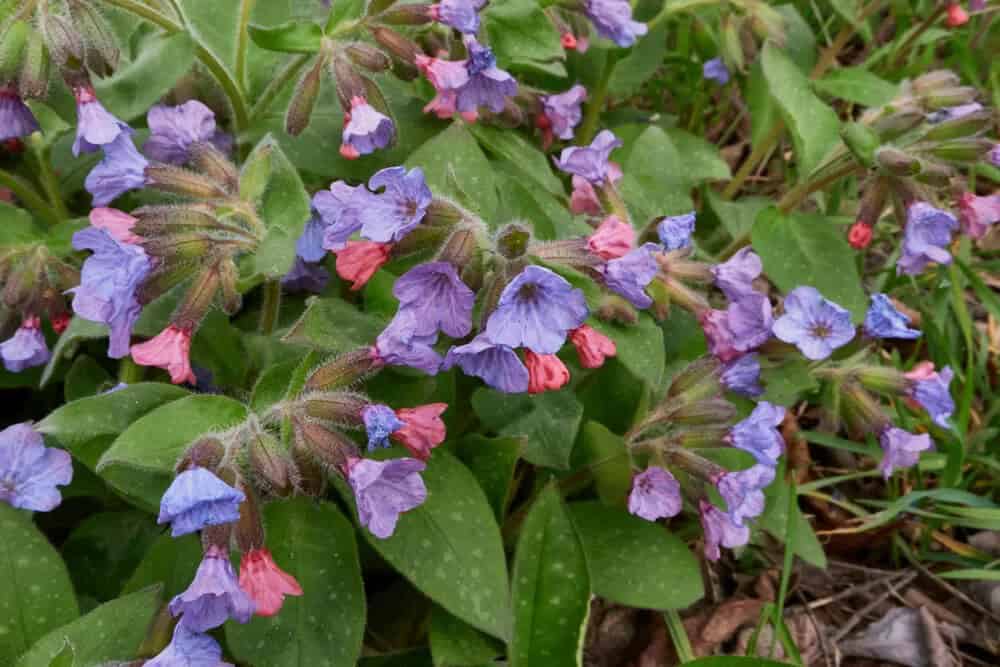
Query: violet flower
pixel 497 365
pixel 389 215
pixel 758 433
pixel 735 276
pixel 365 130
pixel 536 310
pixel 715 70
pixel 337 215
pixel 589 162
pixel 400 345
pixel 978 214
pixel 440 301
pixel 613 20
pixel 189 649
pixel 173 130
pixel 462 15
pixel 16 119
pixel 123 168
pixel 883 320
pixel 817 326
pixel 742 376
pixel 901 449
pixel 930 389
pixel 380 422
pixel 629 275
pixel 30 471
pixel 749 319
pixel 196 499
pixel 214 596
pixel 447 77
pixel 563 111
pixel 26 348
pixel 95 126
pixel 675 231
pixel 953 113
pixel 925 238
pixel 655 494
pixel 384 490
pixel 487 86
pixel 743 491
pixel 720 530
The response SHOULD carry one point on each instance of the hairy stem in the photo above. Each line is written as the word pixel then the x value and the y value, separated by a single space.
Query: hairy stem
pixel 243 40
pixel 270 306
pixel 48 178
pixel 31 199
pixel 592 114
pixel 275 85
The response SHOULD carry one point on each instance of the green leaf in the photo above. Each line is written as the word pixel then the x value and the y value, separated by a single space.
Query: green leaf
pixel 36 594
pixel 548 422
pixel 456 167
pixel 808 249
pixel 78 330
pixel 702 161
pixel 105 548
pixel 334 324
pixel 141 460
pixel 521 35
pixel 138 85
pixel 17 226
pixel 849 11
pixel 87 427
pixel 291 37
pixel 737 217
pixel 455 643
pixel 314 543
pixel 606 455
pixel 856 84
pixel 775 521
pixel 85 378
pixel 170 562
pixel 492 462
pixel 514 149
pixel 814 126
pixel 763 110
pixel 218 347
pixel 272 385
pixel 635 562
pixel 550 588
pixel 112 631
pixel 521 199
pixel 785 384
pixel 450 548
pixel 284 209
pixel 59 240
pixel 640 347
pixel 65 658
pixel 734 661
pixel 641 63
pixel 653 185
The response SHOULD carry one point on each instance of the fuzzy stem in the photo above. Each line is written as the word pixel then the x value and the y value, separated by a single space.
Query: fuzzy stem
pixel 270 307
pixel 31 199
pixel 592 114
pixel 275 85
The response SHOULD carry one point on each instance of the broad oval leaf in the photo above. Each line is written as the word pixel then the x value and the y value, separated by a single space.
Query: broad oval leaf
pixel 856 84
pixel 639 347
pixel 550 588
pixel 335 325
pixel 455 167
pixel 170 562
pixel 455 642
pixel 519 153
pixel 36 594
pixel 492 461
pixel 548 422
pixel 654 184
pixel 635 562
pixel 291 37
pixel 314 543
pixel 607 457
pixel 138 85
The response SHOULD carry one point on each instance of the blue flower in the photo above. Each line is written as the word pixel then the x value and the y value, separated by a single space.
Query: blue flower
pixel 366 131
pixel 629 275
pixel 214 596
pixel 716 70
pixel 589 162
pixel 675 231
pixel 901 449
pixel 197 498
pixel 173 130
pixel 758 433
pixel 123 168
pixel 742 376
pixel 30 471
pixel 930 389
pixel 655 494
pixel 497 365
pixel 399 344
pixel 563 111
pixel 925 238
pixel 815 325
pixel 462 15
pixel 735 276
pixel 488 85
pixel 189 649
pixel 536 310
pixel 95 127
pixel 16 119
pixel 743 491
pixel 438 299
pixel 380 423
pixel 720 530
pixel 26 348
pixel 613 20
pixel 883 320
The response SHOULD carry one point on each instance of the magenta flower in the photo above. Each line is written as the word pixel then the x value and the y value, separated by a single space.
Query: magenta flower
pixel 901 449
pixel 365 130
pixel 883 320
pixel 562 112
pixel 718 335
pixel 123 168
pixel 735 276
pixel 399 344
pixel 214 596
pixel 925 238
pixel 590 162
pixel 628 276
pixel 438 298
pixel 26 348
pixel 536 310
pixel 675 231
pixel 655 494
pixel 384 490
pixel 613 20
pixel 95 127
pixel 750 321
pixel 173 130
pixel 817 326
pixel 758 434
pixel 189 649
pixel 978 214
pixel 720 530
pixel 497 365
pixel 16 119
pixel 743 491
pixel 196 499
pixel 30 471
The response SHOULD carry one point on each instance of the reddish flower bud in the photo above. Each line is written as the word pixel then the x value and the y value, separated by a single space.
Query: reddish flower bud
pixel 568 41
pixel 860 235
pixel 957 16
pixel 422 429
pixel 60 322
pixel 265 582
pixel 546 372
pixel 170 351
pixel 612 239
pixel 359 260
pixel 592 346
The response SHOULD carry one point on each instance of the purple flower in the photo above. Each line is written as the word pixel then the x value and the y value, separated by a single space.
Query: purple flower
pixel 613 20
pixel 758 433
pixel 883 320
pixel 400 345
pixel 817 326
pixel 743 491
pixel 30 471
pixel 497 365
pixel 977 5
pixel 930 389
pixel 536 310
pixel 978 214
pixel 487 86
pixel 388 216
pixel 366 130
pixel 952 113
pixel 675 231
pixel 720 530
pixel 589 162
pixel 438 298
pixel 26 348
pixel 563 111
pixel 462 15
pixel 214 596
pixel 95 127
pixel 16 119
pixel 197 498
pixel 655 494
pixel 189 649
pixel 305 277
pixel 749 321
pixel 380 423
pixel 384 490
pixel 736 275
pixel 925 239
pixel 339 210
pixel 173 130
pixel 715 70
pixel 309 245
pixel 901 449
pixel 742 376
pixel 109 281
pixel 994 156
pixel 123 168
pixel 629 275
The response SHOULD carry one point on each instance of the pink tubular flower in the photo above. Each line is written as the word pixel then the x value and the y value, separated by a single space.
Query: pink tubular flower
pixel 447 76
pixel 977 214
pixel 859 235
pixel 546 372
pixel 117 223
pixel 612 239
pixel 169 350
pixel 584 199
pixel 957 16
pixel 359 260
pixel 422 429
pixel 592 346
pixel 265 582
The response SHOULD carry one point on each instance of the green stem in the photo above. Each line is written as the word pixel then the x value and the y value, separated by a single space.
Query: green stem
pixel 241 117
pixel 671 8
pixel 48 178
pixel 753 160
pixel 592 114
pixel 274 86
pixel 797 195
pixel 270 307
pixel 31 199
pixel 130 372
pixel 243 40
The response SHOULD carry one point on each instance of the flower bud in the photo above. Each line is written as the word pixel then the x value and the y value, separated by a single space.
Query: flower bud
pixel 343 371
pixel 861 409
pixel 616 309
pixel 949 97
pixel 35 70
pixel 311 479
pixel 197 301
pixel 206 452
pixel 897 162
pixel 181 181
pixel 460 249
pixel 513 240
pixel 100 49
pixel 444 213
pixel 699 380
pixel 13 40
pixel 965 125
pixel 675 264
pixel 270 464
pixel 883 379
pixel 682 295
pixel 300 107
pixel 415 14
pixel 249 531
pixel 329 447
pixel 767 22
pixel 935 80
pixel 708 412
pixel 210 161
pixel 935 174
pixel 694 464
pixel 367 56
pixel 63 40
pixel 657 291
pixel 859 235
pixel 701 437
pixel 404 50
pixel 962 150
pixel 862 141
pixel 229 276
pixel 165 276
pixel 895 125
pixel 350 84
pixel 340 407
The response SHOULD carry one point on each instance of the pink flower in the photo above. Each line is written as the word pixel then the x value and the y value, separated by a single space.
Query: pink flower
pixel 721 342
pixel 957 16
pixel 977 214
pixel 592 346
pixel 447 76
pixel 612 239
pixel 584 199
pixel 169 350
pixel 265 582
pixel 546 372
pixel 860 235
pixel 117 223
pixel 422 429
pixel 359 260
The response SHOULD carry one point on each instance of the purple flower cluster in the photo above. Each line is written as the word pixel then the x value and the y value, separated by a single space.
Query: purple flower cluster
pixel 561 113
pixel 385 489
pixel 394 203
pixel 26 348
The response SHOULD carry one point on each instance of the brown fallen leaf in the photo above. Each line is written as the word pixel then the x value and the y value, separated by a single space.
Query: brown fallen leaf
pixel 905 636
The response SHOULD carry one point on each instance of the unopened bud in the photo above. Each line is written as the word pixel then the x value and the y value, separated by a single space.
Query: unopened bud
pixel 513 240
pixel 415 14
pixel 270 463
pixel 682 295
pixel 894 125
pixel 256 173
pixel 303 100
pixel 367 56
pixel 329 447
pixel 311 479
pixel 249 531
pixel 965 125
pixel 657 291
pixel 616 309
pixel 699 380
pixel 205 452
pixel 460 248
pixel 694 464
pixel 956 15
pixel 63 40
pixel 897 162
pixel 35 70
pixel 935 174
pixel 198 300
pixel 376 7
pixel 344 370
pixel 164 277
pixel 859 235
pixel 210 161
pixel 701 437
pixel 101 51
pixel 883 379
pixel 404 50
pixel 13 41
pixel 675 263
pixel 950 97
pixel 229 276
pixel 962 150
pixel 340 407
pixel 176 248
pixel 350 84
pixel 712 411
pixel 443 213
pixel 181 181
pixel 935 80
pixel 861 409
pixel 862 141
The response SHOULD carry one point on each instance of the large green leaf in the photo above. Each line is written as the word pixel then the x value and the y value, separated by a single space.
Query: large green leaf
pixel 639 347
pixel 492 461
pixel 524 156
pixel 808 249
pixel 606 456
pixel 291 37
pixel 141 460
pixel 333 324
pixel 548 422
pixel 814 126
pixel 521 35
pixel 112 631
pixel 856 84
pixel 633 561
pixel 702 161
pixel 86 427
pixel 654 184
pixel 36 595
pixel 737 217
pixel 455 167
pixel 170 562
pixel 450 548
pixel 550 588
pixel 455 643
pixel 105 549
pixel 314 543
pixel 17 226
pixel 640 64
